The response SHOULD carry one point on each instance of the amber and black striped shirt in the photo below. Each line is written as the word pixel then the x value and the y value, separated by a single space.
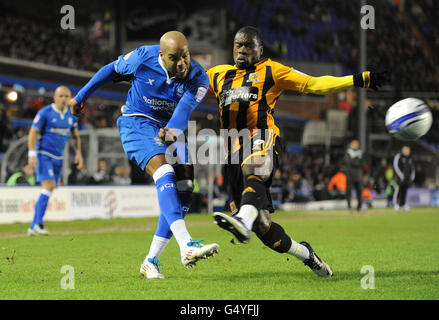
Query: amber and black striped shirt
pixel 246 98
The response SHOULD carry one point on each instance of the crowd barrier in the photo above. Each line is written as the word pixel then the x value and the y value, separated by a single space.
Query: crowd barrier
pixel 81 202
pixel 84 202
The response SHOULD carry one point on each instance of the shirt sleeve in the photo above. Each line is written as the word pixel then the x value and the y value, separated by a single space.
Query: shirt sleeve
pixel 211 91
pixel 286 78
pixel 128 63
pixel 39 121
pixel 195 92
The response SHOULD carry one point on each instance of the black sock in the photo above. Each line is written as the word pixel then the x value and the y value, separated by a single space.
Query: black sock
pixel 276 238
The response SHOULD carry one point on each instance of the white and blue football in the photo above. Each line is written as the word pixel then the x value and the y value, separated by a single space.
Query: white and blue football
pixel 409 119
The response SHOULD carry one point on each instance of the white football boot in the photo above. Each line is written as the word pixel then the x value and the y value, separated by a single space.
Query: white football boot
pixel 317 265
pixel 234 225
pixel 196 251
pixel 37 231
pixel 150 269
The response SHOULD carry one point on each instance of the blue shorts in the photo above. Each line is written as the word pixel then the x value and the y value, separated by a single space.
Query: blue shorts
pixel 140 140
pixel 48 168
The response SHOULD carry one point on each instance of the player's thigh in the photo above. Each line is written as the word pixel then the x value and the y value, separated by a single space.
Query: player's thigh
pixel 48 184
pixel 141 143
pixel 259 156
pixel 177 153
pixel 45 170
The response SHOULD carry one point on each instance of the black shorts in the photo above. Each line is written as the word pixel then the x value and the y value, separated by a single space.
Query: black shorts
pixel 235 177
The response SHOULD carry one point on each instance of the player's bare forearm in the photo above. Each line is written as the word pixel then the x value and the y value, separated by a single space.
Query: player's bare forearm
pixel 31 143
pixel 78 157
pixel 77 142
pixel 32 139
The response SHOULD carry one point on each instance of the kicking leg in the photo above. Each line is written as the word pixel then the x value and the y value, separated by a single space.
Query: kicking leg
pixel 150 266
pixel 274 237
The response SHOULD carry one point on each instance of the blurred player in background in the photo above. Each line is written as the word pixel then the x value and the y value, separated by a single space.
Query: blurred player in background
pixel 247 93
pixel 166 87
pixel 353 162
pixel 405 175
pixel 54 123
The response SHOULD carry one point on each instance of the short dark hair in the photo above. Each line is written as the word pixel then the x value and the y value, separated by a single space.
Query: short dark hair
pixel 253 32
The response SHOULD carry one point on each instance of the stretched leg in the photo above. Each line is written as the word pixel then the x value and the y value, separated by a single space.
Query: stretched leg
pixel 171 222
pixel 184 176
pixel 254 216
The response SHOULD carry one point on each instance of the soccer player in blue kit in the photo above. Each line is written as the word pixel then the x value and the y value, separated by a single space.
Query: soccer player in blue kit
pixel 54 123
pixel 166 86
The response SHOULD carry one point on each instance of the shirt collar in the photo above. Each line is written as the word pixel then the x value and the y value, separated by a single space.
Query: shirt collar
pixel 62 114
pixel 168 79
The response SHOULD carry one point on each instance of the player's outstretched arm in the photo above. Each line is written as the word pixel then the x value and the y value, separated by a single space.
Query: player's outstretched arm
pixel 104 76
pixel 329 84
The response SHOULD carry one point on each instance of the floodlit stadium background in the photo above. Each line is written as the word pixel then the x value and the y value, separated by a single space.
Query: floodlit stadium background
pixel 315 37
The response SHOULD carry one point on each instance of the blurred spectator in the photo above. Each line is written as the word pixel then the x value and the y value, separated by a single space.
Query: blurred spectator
pixel 26 176
pixel 367 198
pixel 78 177
pixel 337 186
pixel 343 103
pixel 121 175
pixel 31 40
pixel 353 163
pixel 101 176
pixel 404 167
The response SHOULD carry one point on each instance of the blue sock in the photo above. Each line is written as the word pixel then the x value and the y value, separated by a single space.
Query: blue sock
pixel 40 207
pixel 169 202
pixel 163 229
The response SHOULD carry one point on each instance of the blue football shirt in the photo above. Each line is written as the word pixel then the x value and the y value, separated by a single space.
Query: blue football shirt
pixel 153 93
pixel 55 128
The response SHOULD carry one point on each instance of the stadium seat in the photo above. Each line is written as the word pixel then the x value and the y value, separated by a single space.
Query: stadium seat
pixel 315 133
pixel 337 126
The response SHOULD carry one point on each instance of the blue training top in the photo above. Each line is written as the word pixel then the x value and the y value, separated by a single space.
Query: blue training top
pixel 153 93
pixel 55 128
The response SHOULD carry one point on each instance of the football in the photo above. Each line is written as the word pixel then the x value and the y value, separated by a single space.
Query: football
pixel 409 119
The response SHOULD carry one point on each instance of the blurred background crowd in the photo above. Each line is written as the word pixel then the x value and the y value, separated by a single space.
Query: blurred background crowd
pixel 318 32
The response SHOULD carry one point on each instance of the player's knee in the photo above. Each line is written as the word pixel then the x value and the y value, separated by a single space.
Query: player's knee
pixel 48 185
pixel 261 167
pixel 262 223
pixel 184 172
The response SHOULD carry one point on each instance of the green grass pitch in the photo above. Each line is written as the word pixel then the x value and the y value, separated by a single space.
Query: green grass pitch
pixel 402 248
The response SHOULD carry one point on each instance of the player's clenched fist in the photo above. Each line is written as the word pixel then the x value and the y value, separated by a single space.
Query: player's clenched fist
pixel 167 135
pixel 75 108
